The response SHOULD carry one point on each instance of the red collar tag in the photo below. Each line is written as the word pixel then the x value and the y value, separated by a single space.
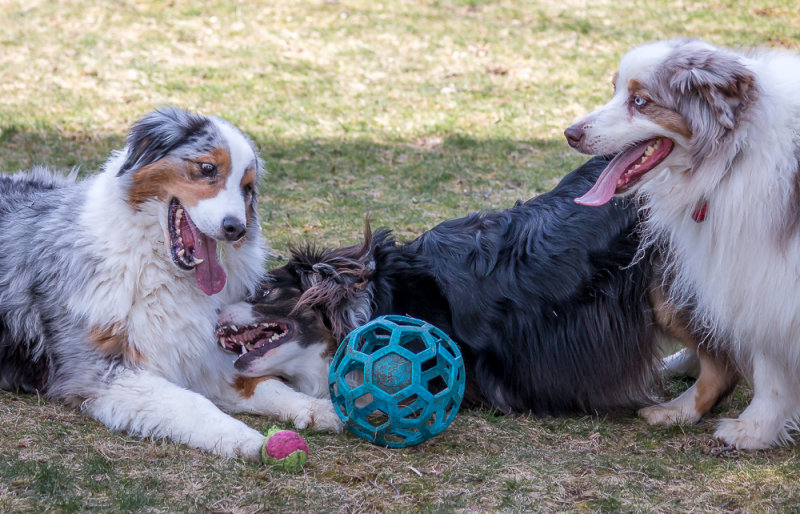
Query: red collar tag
pixel 699 212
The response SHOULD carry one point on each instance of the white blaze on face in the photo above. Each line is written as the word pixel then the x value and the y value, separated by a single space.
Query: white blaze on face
pixel 613 127
pixel 230 200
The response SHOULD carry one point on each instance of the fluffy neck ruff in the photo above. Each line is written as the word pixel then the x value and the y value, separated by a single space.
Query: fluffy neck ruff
pixel 746 250
pixel 166 316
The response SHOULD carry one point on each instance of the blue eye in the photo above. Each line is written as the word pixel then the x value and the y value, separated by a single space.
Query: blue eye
pixel 639 101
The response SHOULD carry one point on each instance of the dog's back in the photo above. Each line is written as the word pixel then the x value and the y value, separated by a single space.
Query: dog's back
pixel 545 299
pixel 25 200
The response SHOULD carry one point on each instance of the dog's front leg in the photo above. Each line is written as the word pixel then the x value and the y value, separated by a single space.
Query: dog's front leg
pixel 147 405
pixel 269 396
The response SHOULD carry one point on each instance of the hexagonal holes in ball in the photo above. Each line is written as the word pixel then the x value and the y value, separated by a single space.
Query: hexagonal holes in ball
pixel 432 370
pixel 378 420
pixel 410 408
pixel 372 341
pixel 437 384
pixel 355 376
pixel 414 343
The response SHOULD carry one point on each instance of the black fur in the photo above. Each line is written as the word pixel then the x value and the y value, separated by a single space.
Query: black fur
pixel 544 300
pixel 158 133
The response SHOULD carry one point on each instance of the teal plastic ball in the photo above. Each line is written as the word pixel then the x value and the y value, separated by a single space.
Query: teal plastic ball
pixel 397 381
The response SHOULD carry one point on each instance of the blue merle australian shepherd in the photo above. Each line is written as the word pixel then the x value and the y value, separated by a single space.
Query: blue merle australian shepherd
pixel 110 286
pixel 550 310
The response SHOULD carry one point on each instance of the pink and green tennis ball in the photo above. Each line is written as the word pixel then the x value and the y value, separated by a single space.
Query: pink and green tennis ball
pixel 284 449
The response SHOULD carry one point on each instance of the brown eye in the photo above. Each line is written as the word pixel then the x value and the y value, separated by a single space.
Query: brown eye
pixel 207 169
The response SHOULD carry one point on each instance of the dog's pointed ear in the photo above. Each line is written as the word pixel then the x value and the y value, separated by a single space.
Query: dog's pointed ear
pixel 716 75
pixel 156 134
pixel 337 282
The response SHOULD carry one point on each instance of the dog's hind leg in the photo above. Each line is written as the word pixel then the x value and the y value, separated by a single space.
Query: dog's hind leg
pixel 147 405
pixel 717 379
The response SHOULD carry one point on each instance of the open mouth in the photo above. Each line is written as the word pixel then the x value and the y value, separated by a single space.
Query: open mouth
pixel 626 170
pixel 193 250
pixel 256 338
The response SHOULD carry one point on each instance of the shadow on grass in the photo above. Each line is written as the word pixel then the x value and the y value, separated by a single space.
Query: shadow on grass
pixel 321 190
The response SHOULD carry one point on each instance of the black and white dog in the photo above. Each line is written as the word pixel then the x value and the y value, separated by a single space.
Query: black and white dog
pixel 110 286
pixel 543 299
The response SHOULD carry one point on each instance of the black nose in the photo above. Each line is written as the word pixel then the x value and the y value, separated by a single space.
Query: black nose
pixel 233 228
pixel 574 135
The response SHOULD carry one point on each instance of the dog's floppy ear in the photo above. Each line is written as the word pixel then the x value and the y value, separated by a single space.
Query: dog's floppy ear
pixel 337 283
pixel 158 133
pixel 713 87
pixel 719 77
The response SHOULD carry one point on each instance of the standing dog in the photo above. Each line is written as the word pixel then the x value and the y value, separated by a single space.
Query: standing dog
pixel 110 287
pixel 542 299
pixel 709 141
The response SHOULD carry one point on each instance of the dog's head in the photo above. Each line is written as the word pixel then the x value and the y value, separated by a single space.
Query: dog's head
pixel 675 105
pixel 204 173
pixel 301 312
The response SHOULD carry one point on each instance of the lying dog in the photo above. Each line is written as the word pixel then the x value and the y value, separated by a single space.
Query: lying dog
pixel 110 287
pixel 543 300
pixel 709 141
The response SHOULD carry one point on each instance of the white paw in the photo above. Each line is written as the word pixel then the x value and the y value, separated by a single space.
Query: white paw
pixel 669 414
pixel 744 434
pixel 319 415
pixel 248 447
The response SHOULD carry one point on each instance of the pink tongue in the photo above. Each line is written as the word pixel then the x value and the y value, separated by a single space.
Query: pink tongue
pixel 209 274
pixel 606 184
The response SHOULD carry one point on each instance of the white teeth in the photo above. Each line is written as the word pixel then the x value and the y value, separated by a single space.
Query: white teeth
pixel 234 328
pixel 650 150
pixel 198 261
pixel 244 350
pixel 181 252
pixel 178 215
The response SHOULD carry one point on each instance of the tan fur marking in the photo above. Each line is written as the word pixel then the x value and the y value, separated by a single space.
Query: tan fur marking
pixel 717 378
pixel 717 375
pixel 249 181
pixel 666 118
pixel 172 177
pixel 112 342
pixel 246 386
pixel 667 318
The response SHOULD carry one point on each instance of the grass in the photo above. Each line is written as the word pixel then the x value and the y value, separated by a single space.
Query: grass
pixel 410 112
